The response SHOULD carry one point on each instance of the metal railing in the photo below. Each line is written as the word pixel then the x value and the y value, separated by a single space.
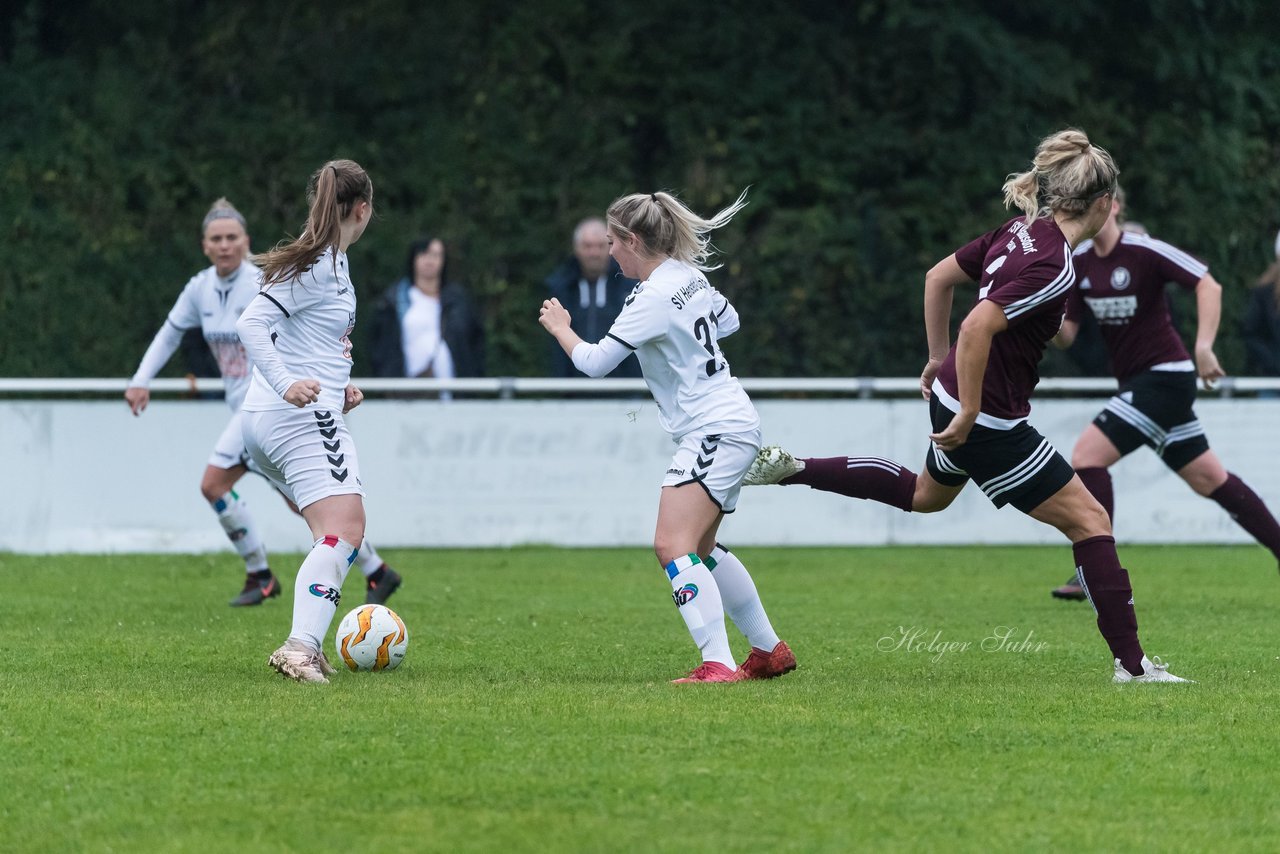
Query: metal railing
pixel 507 388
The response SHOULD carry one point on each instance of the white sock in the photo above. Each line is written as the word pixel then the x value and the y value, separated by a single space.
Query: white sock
pixel 318 589
pixel 233 515
pixel 695 593
pixel 741 601
pixel 367 559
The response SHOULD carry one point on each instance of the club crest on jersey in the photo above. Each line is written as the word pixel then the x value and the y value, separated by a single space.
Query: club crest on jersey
pixel 329 594
pixel 1120 278
pixel 685 595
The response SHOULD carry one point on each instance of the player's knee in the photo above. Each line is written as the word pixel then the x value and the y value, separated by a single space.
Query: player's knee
pixel 925 500
pixel 667 548
pixel 1093 521
pixel 212 490
pixel 1204 483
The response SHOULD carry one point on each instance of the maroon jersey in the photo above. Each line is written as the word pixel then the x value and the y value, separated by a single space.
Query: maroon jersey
pixel 1125 292
pixel 1028 272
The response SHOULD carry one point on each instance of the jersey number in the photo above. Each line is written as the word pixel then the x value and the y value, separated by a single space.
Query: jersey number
pixel 702 331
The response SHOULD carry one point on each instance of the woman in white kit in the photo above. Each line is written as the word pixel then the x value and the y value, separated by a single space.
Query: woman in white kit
pixel 298 334
pixel 212 302
pixel 673 321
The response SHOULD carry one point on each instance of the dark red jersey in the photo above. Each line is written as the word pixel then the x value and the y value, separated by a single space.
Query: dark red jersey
pixel 1028 272
pixel 1125 292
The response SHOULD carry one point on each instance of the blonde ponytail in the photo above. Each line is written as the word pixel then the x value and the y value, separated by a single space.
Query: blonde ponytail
pixel 667 228
pixel 1067 175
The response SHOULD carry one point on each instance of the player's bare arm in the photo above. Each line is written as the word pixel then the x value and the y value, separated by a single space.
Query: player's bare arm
pixel 1208 314
pixel 1066 334
pixel 939 288
pixel 973 349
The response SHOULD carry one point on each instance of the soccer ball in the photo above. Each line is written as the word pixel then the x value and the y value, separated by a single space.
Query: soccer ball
pixel 372 637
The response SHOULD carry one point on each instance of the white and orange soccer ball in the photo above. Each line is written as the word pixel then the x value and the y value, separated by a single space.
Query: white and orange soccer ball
pixel 372 637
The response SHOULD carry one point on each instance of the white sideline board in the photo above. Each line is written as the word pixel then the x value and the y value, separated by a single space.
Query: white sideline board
pixel 87 476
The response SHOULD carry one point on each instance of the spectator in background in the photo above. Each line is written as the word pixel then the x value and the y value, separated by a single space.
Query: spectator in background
pixel 591 286
pixel 1262 323
pixel 425 325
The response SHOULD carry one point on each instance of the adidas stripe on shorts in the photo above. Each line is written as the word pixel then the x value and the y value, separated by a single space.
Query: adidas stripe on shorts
pixel 1154 408
pixel 1018 466
pixel 717 462
pixel 306 453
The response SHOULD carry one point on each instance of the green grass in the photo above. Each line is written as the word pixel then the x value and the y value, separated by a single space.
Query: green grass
pixel 533 711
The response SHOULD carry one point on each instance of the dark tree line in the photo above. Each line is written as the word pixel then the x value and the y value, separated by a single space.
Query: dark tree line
pixel 875 136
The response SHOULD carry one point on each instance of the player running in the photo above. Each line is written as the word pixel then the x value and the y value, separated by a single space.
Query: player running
pixel 212 301
pixel 673 321
pixel 1121 279
pixel 979 390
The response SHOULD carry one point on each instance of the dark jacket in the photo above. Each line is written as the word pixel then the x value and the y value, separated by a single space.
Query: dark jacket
pixel 591 322
pixel 459 325
pixel 1262 332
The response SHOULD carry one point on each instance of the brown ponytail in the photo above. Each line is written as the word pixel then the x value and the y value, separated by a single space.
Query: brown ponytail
pixel 332 192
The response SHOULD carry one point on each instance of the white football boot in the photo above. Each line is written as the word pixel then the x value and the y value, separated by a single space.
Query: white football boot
pixel 1153 670
pixel 771 465
pixel 295 660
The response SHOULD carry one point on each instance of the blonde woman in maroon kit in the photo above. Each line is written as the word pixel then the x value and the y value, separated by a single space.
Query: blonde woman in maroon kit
pixel 979 390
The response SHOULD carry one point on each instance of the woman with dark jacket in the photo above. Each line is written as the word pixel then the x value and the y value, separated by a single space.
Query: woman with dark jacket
pixel 424 325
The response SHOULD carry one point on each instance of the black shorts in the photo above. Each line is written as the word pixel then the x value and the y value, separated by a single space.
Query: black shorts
pixel 1017 466
pixel 1155 408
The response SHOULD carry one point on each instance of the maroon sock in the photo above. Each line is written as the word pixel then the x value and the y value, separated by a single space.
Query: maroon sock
pixel 859 477
pixel 1098 482
pixel 1107 585
pixel 1250 513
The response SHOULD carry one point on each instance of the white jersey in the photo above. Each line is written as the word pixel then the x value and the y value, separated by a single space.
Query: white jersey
pixel 212 304
pixel 301 329
pixel 673 321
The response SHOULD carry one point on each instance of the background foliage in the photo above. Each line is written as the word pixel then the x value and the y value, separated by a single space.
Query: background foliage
pixel 874 137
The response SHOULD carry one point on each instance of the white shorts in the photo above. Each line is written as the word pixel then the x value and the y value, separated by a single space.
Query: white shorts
pixel 230 451
pixel 715 462
pixel 307 454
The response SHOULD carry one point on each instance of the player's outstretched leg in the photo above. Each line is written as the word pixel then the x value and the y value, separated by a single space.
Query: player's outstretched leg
pixel 873 478
pixel 770 656
pixel 380 580
pixel 1249 512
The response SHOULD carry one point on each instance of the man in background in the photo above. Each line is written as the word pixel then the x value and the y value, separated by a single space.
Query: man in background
pixel 592 288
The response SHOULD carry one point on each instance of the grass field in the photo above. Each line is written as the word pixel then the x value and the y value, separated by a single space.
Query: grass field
pixel 533 711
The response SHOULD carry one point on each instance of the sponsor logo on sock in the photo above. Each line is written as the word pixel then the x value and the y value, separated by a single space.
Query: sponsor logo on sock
pixel 329 594
pixel 685 595
pixel 238 534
